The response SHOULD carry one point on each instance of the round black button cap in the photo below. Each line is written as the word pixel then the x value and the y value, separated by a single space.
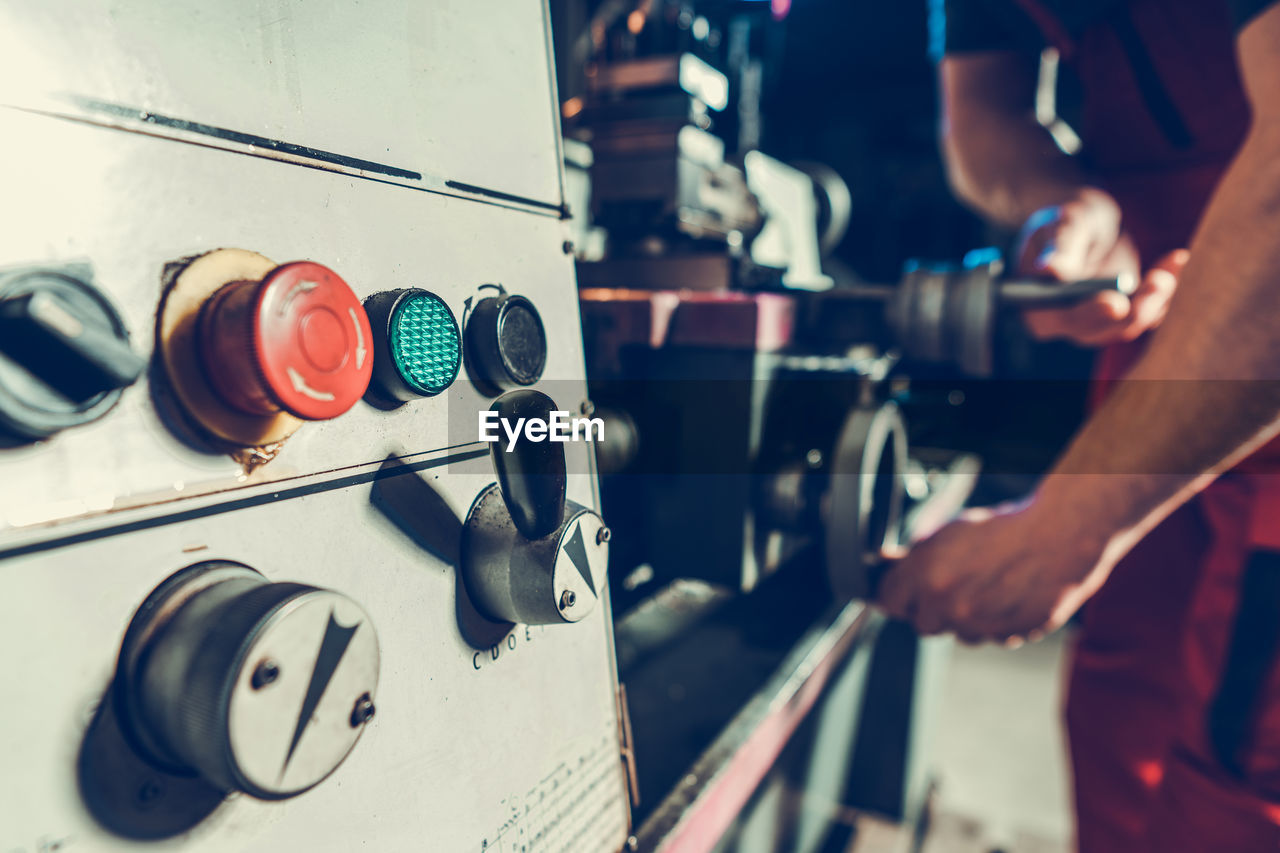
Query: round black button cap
pixel 64 351
pixel 506 343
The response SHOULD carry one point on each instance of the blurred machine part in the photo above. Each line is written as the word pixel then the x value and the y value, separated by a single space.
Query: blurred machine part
pixel 946 314
pixel 671 198
pixel 789 199
pixel 262 577
pixel 751 478
pixel 762 462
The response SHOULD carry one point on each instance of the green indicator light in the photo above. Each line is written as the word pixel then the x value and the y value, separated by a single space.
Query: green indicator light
pixel 425 343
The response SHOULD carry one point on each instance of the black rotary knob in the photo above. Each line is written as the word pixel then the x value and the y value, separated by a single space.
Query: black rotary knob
pixel 256 686
pixel 506 343
pixel 64 351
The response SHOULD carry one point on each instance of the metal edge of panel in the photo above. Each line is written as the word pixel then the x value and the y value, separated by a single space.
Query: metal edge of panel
pixel 143 512
pixel 554 91
pixel 626 746
pixel 175 129
pixel 622 713
pixel 712 794
pixel 626 752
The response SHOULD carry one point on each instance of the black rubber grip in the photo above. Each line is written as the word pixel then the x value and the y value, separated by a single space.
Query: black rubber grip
pixel 531 474
pixel 1032 294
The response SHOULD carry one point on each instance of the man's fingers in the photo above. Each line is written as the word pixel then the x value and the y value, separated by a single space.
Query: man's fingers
pixel 904 594
pixel 1031 250
pixel 1150 302
pixel 1015 618
pixel 1085 322
pixel 1065 254
pixel 1056 249
pixel 893 553
pixel 1100 311
pixel 1047 324
pixel 1110 317
pixel 929 617
pixel 895 595
pixel 1173 262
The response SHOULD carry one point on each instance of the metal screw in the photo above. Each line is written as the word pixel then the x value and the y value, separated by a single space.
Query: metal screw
pixel 363 711
pixel 587 407
pixel 603 535
pixel 567 599
pixel 568 247
pixel 266 672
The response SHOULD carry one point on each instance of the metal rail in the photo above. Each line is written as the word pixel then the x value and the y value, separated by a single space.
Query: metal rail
pixel 713 793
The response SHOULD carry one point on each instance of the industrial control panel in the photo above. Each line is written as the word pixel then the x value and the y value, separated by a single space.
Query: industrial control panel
pixel 265 265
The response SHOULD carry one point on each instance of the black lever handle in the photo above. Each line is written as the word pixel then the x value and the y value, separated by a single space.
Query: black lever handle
pixel 83 357
pixel 1023 292
pixel 531 473
pixel 1050 294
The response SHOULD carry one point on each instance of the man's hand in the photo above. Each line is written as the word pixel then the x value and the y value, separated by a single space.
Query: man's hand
pixel 1004 574
pixel 1082 238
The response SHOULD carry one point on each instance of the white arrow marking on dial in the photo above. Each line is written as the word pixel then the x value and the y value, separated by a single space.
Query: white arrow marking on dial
pixel 300 385
pixel 361 352
pixel 303 286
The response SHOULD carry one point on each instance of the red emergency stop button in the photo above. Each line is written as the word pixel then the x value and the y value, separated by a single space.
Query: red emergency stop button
pixel 297 340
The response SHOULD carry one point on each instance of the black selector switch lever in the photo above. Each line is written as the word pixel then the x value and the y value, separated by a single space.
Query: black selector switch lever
pixel 531 475
pixel 528 554
pixel 80 356
pixel 64 351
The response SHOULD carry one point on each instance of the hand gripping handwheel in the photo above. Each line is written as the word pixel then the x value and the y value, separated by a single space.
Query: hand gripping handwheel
pixel 863 508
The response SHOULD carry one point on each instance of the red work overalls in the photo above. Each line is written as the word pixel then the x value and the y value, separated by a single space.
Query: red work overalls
pixel 1175 732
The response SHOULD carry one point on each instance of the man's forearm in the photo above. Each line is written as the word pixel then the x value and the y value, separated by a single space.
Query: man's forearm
pixel 1207 391
pixel 1000 160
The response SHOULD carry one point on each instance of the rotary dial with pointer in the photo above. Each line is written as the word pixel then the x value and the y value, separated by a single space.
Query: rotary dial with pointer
pixel 256 686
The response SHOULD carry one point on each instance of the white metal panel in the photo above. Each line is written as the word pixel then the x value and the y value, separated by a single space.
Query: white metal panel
pixel 457 89
pixel 521 752
pixel 130 203
pixel 508 749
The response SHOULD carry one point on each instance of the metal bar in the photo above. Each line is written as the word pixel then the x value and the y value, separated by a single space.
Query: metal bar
pixel 712 795
pixel 1033 293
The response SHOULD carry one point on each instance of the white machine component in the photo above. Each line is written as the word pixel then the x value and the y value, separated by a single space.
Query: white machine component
pixel 788 240
pixel 236 613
